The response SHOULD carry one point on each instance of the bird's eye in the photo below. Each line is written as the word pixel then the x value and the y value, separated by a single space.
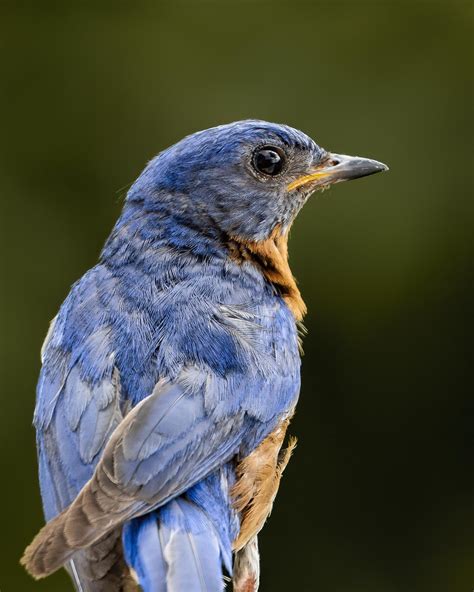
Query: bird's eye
pixel 269 160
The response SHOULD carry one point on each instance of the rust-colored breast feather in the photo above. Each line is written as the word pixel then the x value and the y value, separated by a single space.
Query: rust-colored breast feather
pixel 271 256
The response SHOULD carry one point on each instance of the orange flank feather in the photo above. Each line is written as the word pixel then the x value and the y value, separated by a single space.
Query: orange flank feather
pixel 258 479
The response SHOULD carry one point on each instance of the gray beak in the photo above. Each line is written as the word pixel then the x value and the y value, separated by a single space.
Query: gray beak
pixel 335 168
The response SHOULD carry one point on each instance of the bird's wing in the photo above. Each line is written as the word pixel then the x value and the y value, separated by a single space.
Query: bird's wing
pixel 167 443
pixel 74 418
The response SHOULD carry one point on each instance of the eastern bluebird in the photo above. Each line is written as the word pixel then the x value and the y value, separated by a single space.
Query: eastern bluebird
pixel 172 369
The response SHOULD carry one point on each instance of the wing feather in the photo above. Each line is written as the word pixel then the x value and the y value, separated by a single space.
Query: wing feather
pixel 166 444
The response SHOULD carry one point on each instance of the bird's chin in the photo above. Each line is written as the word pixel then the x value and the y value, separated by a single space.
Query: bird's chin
pixel 321 187
pixel 317 187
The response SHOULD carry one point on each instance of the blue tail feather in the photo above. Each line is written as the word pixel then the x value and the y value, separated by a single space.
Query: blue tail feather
pixel 175 548
pixel 143 552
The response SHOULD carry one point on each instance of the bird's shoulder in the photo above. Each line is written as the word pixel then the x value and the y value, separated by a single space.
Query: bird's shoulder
pixel 151 324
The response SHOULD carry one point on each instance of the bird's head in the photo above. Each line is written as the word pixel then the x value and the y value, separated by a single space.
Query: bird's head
pixel 244 179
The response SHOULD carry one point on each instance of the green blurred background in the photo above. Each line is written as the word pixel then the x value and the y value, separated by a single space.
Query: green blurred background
pixel 379 496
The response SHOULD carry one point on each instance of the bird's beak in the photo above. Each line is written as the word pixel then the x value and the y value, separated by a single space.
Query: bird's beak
pixel 335 168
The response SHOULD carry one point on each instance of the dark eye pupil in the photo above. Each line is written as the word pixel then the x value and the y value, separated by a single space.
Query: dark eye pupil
pixel 268 161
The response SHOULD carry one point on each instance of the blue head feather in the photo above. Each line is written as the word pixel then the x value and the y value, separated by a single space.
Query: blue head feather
pixel 207 181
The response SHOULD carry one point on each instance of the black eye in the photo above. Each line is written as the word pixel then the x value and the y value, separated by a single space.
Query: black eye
pixel 269 160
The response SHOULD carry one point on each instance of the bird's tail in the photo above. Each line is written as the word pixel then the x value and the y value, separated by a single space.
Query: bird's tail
pixel 192 537
pixel 175 548
pixel 101 567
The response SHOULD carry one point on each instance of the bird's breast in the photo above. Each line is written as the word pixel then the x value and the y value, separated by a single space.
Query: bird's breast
pixel 270 256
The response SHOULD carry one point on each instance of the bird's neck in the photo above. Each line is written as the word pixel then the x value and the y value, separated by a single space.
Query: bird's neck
pixel 271 257
pixel 148 237
pixel 140 234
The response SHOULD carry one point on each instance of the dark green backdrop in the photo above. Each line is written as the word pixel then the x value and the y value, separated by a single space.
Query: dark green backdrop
pixel 379 495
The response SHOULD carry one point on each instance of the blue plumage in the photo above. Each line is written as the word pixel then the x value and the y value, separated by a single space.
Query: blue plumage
pixel 183 545
pixel 172 361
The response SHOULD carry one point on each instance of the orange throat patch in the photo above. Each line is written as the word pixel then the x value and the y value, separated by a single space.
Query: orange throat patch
pixel 271 257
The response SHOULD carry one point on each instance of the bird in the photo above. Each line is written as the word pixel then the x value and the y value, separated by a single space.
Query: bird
pixel 172 369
